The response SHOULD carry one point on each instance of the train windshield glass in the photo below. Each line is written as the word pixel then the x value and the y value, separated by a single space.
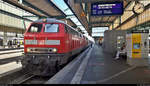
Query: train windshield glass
pixel 51 28
pixel 35 28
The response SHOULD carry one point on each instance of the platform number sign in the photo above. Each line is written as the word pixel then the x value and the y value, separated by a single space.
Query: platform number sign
pixel 106 8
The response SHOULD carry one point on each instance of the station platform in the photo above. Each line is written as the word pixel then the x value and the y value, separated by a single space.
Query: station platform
pixel 8 56
pixel 94 66
pixel 7 48
pixel 11 51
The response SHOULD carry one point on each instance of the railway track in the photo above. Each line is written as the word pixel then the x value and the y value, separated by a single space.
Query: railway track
pixel 9 77
pixel 21 76
pixel 22 79
pixel 17 77
pixel 35 80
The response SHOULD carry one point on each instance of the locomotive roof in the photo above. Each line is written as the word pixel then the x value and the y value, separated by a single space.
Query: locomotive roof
pixel 53 20
pixel 50 20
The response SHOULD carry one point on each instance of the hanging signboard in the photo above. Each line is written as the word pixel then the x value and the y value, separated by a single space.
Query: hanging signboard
pixel 140 31
pixel 106 8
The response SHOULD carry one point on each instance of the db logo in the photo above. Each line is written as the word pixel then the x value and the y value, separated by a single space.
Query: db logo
pixel 41 42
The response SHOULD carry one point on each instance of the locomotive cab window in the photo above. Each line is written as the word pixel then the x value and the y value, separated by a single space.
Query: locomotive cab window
pixel 35 28
pixel 51 28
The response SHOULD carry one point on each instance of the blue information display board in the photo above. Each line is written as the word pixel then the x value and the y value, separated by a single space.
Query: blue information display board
pixel 107 8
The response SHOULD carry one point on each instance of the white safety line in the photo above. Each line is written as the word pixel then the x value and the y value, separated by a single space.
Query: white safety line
pixel 79 74
pixel 63 73
pixel 115 75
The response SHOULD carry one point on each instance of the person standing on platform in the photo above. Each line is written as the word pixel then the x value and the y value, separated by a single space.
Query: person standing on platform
pixel 123 50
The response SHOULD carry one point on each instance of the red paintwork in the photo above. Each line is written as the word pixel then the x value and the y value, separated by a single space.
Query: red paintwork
pixel 68 42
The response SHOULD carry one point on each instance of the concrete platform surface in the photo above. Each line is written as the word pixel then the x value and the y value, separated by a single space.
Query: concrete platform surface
pixel 103 69
pixel 7 48
pixel 11 51
pixel 12 55
pixel 98 67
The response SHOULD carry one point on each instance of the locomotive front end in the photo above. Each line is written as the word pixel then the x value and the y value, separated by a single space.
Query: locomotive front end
pixel 43 48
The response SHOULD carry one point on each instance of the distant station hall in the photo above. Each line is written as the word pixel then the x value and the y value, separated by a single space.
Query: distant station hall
pixel 75 42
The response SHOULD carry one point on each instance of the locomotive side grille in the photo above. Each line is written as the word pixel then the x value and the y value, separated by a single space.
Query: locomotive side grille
pixel 52 42
pixel 34 42
pixel 41 50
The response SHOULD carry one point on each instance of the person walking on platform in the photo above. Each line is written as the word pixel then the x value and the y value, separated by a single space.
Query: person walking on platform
pixel 122 51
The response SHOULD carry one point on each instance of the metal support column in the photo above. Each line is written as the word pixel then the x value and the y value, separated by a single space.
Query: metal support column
pixel 120 22
pixel 137 19
pixel 5 39
pixel 112 26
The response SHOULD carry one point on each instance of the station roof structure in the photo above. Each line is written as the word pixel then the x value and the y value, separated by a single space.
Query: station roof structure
pixel 80 8
pixel 49 9
pixel 46 7
pixel 42 9
pixel 94 21
pixel 15 3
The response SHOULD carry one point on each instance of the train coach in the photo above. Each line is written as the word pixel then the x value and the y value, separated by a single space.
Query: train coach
pixel 49 44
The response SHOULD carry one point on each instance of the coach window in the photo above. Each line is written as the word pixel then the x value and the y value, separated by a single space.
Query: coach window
pixel 35 28
pixel 51 28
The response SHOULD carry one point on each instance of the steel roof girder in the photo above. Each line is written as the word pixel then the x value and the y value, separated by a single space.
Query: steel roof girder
pixel 101 22
pixel 43 12
pixel 10 2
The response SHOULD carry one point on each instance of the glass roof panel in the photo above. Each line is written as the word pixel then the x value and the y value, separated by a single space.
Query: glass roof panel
pixel 63 7
pixel 145 2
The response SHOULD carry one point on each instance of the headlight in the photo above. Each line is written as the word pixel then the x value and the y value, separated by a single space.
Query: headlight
pixel 54 50
pixel 28 50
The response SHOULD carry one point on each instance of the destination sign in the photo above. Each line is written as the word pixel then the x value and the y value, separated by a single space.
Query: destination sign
pixel 106 8
pixel 140 31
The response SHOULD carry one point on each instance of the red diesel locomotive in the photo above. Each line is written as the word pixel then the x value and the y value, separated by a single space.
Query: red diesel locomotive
pixel 49 44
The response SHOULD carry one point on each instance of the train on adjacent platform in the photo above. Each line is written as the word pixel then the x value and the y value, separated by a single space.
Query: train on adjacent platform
pixel 49 44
